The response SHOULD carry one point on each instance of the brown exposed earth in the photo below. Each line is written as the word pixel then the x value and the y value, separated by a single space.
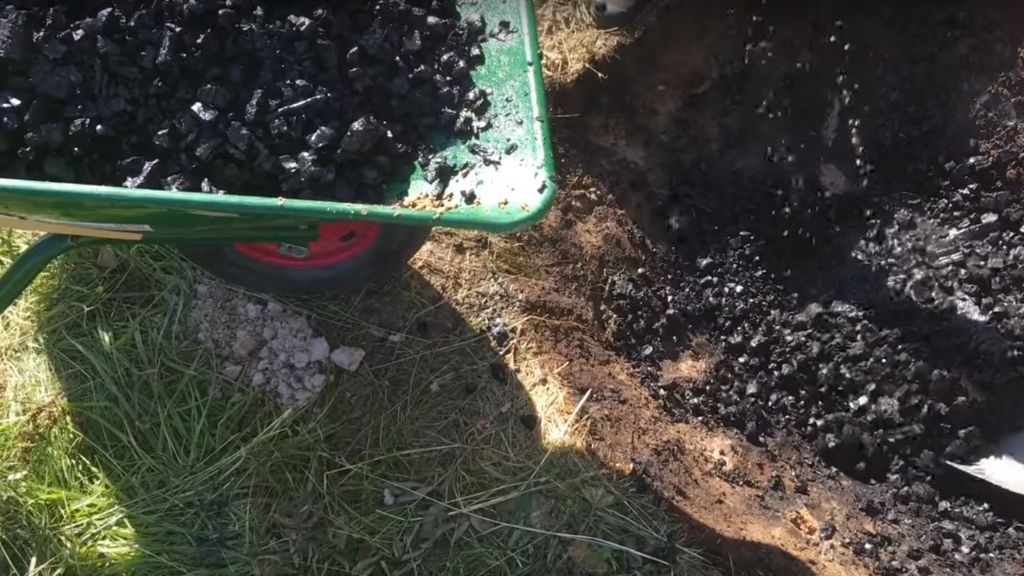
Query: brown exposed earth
pixel 684 98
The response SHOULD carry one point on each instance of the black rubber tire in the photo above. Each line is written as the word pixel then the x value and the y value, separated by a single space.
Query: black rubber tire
pixel 387 255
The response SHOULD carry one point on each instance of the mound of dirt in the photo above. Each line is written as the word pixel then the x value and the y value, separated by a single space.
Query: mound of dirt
pixel 842 200
pixel 325 100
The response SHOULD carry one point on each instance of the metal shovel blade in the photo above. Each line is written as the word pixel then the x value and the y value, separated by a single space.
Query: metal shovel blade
pixel 1004 467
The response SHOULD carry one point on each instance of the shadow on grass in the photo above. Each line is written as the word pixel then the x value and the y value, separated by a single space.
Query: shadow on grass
pixel 429 460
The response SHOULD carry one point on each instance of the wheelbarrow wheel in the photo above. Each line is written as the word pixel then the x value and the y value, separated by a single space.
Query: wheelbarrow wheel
pixel 346 256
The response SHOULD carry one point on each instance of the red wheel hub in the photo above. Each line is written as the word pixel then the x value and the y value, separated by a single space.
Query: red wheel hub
pixel 336 241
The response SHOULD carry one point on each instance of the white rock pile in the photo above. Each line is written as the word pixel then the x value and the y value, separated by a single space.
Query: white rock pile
pixel 265 345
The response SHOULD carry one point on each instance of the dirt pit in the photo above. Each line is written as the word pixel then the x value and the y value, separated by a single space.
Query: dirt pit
pixel 833 193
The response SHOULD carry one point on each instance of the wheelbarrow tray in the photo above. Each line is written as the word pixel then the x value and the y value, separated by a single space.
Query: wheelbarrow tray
pixel 509 194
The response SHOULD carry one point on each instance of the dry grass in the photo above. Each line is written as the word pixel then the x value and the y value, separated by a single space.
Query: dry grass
pixel 569 42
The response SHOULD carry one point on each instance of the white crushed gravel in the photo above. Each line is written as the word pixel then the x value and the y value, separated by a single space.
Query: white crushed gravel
pixel 348 358
pixel 266 346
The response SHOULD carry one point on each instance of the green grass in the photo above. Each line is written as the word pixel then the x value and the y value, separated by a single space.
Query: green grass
pixel 123 451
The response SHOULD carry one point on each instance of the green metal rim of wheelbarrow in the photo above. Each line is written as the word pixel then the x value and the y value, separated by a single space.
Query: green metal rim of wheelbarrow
pixel 508 195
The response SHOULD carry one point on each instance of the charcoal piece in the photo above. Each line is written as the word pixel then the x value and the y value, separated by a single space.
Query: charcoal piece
pixel 164 138
pixel 28 154
pixel 204 112
pixel 227 18
pixel 485 153
pixel 306 162
pixel 9 122
pixel 438 170
pixel 208 148
pixel 503 32
pixel 301 23
pixel 300 107
pixel 463 124
pixel 168 45
pixel 16 37
pixel 437 27
pixel 447 62
pixel 146 175
pixel 102 129
pixel 826 531
pixel 475 25
pixel 177 183
pixel 109 19
pixel 362 135
pixel 80 128
pixel 448 117
pixel 239 136
pixel 288 165
pixel 85 30
pixel 213 95
pixel 9 101
pixel 423 72
pixel 141 24
pixel 460 69
pixel 280 128
pixel 412 42
pixel 208 187
pixel 256 107
pixel 131 166
pixel 55 19
pixel 322 138
pixel 477 100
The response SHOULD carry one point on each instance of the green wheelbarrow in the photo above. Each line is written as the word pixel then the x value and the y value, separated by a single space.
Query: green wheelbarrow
pixel 278 245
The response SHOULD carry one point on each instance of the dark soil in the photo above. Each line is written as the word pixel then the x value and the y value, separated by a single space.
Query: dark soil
pixel 329 100
pixel 842 213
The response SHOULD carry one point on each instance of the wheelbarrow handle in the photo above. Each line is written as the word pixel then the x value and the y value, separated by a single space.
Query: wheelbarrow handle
pixel 31 262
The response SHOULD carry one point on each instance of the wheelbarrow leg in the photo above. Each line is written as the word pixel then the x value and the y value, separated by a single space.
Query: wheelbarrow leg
pixel 31 262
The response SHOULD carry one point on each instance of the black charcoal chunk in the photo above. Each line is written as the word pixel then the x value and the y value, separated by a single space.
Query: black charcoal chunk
pixel 239 136
pixel 322 138
pixel 489 156
pixel 16 37
pixel 208 187
pixel 164 138
pixel 204 112
pixel 9 101
pixel 144 175
pixel 362 135
pixel 177 182
pixel 475 25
